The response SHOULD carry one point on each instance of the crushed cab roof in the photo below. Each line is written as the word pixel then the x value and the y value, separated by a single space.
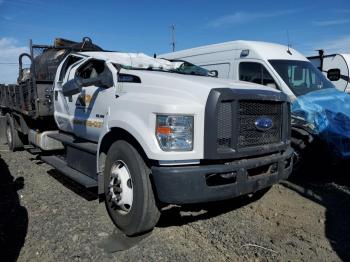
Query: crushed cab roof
pixel 135 60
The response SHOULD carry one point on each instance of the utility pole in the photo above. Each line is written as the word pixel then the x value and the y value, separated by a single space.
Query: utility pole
pixel 173 37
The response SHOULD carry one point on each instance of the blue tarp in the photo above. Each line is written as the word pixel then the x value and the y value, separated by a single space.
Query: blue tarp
pixel 327 113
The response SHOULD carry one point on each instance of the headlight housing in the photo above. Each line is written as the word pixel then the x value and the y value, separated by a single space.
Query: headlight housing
pixel 175 132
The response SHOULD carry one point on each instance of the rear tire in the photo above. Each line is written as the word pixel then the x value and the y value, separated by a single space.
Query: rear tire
pixel 12 135
pixel 129 197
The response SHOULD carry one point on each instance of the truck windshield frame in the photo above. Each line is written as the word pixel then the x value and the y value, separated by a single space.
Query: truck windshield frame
pixel 300 76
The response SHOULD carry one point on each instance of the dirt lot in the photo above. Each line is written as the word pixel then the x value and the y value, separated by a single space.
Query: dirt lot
pixel 45 217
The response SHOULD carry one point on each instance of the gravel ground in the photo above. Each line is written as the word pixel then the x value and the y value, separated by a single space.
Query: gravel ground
pixel 45 217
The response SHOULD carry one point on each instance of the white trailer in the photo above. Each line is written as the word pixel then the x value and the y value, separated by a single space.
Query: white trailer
pixel 336 67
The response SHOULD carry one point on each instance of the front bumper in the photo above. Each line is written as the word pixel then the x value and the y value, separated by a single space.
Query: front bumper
pixel 206 183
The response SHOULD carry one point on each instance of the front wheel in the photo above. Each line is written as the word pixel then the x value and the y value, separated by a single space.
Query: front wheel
pixel 129 197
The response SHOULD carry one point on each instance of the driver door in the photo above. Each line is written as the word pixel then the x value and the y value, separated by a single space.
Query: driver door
pixel 89 107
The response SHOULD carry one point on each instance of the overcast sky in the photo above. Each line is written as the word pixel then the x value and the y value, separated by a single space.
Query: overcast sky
pixel 144 26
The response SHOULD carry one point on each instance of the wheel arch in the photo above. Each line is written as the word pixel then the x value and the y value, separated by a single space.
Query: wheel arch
pixel 115 134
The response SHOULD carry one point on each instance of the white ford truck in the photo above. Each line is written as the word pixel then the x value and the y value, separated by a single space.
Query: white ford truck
pixel 145 131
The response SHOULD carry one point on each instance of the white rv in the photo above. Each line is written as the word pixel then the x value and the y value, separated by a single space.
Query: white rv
pixel 264 63
pixel 336 67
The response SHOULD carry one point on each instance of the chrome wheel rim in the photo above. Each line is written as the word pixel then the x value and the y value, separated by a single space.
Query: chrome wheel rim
pixel 120 188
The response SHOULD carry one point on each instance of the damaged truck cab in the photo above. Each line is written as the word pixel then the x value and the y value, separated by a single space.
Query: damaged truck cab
pixel 149 132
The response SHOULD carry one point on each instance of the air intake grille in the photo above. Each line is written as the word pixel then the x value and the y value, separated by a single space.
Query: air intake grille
pixel 225 118
pixel 249 112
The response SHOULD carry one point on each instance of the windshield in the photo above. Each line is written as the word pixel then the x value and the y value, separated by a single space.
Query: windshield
pixel 301 76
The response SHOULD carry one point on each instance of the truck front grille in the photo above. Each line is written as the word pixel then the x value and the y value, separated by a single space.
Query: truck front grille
pixel 249 112
pixel 236 127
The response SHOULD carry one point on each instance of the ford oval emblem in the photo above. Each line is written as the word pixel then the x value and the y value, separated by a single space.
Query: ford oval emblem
pixel 263 123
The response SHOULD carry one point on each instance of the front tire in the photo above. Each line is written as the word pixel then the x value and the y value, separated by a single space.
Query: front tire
pixel 13 140
pixel 129 197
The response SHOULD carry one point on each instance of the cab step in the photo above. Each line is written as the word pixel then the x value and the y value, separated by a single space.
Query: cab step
pixel 80 153
pixel 73 174
pixel 75 142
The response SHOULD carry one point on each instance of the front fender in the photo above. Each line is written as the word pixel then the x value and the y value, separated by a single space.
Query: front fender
pixel 142 128
pixel 132 126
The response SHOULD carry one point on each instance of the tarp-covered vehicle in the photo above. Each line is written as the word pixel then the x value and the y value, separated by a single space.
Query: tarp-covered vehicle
pixel 325 114
pixel 320 112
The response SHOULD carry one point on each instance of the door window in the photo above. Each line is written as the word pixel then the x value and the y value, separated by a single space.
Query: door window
pixel 255 73
pixel 91 69
pixel 69 61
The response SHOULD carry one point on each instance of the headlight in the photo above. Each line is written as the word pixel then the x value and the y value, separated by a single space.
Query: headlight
pixel 175 133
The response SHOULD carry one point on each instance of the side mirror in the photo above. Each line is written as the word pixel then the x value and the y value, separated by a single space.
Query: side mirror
pixel 213 73
pixel 72 87
pixel 333 74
